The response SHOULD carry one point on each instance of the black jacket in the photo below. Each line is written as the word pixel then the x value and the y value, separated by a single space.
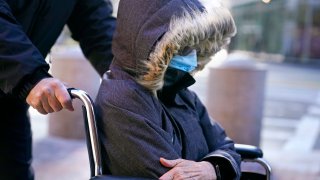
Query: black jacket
pixel 29 28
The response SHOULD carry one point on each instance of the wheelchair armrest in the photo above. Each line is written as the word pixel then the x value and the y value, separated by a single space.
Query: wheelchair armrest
pixel 110 177
pixel 248 151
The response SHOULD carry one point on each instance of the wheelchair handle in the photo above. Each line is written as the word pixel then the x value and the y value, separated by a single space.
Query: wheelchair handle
pixel 91 128
pixel 251 153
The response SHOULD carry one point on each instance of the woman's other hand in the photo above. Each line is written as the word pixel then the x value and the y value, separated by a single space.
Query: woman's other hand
pixel 186 169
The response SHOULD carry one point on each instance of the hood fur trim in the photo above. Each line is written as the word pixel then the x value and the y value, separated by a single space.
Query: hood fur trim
pixel 206 31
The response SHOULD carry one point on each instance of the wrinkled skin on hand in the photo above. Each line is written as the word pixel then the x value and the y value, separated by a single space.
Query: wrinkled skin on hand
pixel 50 95
pixel 186 169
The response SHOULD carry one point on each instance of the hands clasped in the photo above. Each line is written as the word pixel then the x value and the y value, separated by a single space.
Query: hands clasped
pixel 186 169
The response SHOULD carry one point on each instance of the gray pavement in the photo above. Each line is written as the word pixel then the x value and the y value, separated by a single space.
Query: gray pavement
pixel 290 129
pixel 292 121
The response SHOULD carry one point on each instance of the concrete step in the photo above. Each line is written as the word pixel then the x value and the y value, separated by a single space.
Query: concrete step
pixel 278 129
pixel 305 136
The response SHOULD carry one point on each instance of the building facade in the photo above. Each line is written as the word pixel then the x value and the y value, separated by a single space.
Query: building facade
pixel 290 28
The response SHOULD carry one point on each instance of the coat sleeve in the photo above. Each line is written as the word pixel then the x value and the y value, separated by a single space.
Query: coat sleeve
pixel 19 58
pixel 133 143
pixel 92 24
pixel 222 149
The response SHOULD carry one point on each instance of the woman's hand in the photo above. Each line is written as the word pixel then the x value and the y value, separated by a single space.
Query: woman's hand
pixel 185 169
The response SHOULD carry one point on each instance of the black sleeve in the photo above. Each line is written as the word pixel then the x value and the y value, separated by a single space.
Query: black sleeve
pixel 20 60
pixel 92 24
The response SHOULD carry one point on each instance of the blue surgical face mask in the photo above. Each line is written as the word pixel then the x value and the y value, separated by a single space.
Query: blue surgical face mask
pixel 185 63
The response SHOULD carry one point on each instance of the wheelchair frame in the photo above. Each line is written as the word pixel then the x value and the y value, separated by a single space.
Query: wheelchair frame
pixel 248 153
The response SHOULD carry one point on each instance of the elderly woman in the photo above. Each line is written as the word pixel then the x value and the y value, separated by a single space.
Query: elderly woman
pixel 151 123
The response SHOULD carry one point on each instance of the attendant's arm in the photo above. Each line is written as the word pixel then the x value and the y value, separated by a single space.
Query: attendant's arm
pixel 21 64
pixel 23 70
pixel 92 24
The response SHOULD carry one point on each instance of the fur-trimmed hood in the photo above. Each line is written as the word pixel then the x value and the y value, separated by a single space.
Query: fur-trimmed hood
pixel 150 32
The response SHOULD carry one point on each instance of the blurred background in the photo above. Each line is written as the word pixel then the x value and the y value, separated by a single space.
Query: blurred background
pixel 289 28
pixel 267 82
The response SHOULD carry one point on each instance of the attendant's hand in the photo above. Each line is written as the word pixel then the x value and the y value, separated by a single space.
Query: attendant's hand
pixel 186 169
pixel 50 95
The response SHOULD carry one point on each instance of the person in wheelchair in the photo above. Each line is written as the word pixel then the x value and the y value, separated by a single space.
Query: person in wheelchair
pixel 151 124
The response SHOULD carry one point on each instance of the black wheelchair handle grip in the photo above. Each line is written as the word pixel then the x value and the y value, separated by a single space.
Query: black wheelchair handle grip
pixel 70 92
pixel 248 151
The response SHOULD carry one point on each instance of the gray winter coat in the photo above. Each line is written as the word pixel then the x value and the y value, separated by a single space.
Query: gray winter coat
pixel 141 118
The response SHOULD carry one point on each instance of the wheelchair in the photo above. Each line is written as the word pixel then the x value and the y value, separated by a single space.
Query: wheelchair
pixel 98 171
